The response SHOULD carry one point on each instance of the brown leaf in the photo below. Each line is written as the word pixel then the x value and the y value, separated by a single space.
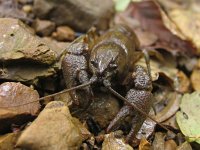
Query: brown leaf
pixel 171 122
pixel 158 143
pixel 8 141
pixel 185 146
pixel 170 145
pixel 113 143
pixel 12 94
pixel 195 79
pixel 187 20
pixel 170 109
pixel 150 17
pixel 144 145
pixel 182 83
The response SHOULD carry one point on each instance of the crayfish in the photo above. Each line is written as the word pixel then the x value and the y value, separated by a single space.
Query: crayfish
pixel 109 61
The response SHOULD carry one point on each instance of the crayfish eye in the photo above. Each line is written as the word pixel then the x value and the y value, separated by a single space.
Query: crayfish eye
pixel 113 66
pixel 93 62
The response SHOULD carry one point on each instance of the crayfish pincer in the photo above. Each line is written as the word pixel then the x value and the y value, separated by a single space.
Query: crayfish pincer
pixel 107 60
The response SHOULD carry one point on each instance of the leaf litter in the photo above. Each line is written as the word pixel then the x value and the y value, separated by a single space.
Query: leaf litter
pixel 169 30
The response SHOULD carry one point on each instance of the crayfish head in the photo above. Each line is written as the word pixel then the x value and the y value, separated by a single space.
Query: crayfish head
pixel 103 63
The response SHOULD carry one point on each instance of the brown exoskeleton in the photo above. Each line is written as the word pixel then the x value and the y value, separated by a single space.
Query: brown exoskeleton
pixel 109 60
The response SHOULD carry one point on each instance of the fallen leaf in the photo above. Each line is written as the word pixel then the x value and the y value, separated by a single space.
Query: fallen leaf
pixel 113 143
pixel 84 131
pixel 171 122
pixel 13 94
pixel 151 18
pixel 188 117
pixel 181 82
pixel 170 109
pixel 120 5
pixel 184 146
pixel 188 22
pixel 144 145
pixel 170 145
pixel 158 143
pixel 8 141
pixel 195 78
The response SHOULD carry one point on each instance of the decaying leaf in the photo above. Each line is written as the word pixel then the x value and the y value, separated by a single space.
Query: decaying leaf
pixel 188 117
pixel 187 21
pixel 151 19
pixel 113 143
pixel 8 141
pixel 170 109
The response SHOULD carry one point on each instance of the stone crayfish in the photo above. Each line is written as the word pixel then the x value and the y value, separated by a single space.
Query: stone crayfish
pixel 108 60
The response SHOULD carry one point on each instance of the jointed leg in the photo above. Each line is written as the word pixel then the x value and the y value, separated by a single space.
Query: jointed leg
pixel 136 125
pixel 83 78
pixel 124 112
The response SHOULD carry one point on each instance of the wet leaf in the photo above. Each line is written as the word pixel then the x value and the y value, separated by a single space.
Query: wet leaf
pixel 188 117
pixel 12 94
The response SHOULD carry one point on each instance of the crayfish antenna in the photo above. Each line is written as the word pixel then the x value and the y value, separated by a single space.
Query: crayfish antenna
pixel 52 95
pixel 147 60
pixel 136 108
